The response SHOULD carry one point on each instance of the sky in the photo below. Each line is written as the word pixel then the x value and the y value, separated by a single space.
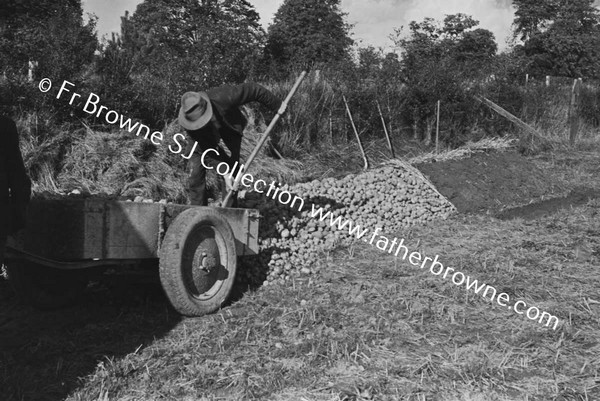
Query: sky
pixel 373 20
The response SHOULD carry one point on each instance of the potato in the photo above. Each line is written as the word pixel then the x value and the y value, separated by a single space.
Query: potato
pixel 387 197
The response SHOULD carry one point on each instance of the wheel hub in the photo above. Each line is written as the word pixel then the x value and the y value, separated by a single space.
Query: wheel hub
pixel 208 262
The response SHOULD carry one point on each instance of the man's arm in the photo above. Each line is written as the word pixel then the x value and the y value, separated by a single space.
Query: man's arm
pixel 18 181
pixel 252 92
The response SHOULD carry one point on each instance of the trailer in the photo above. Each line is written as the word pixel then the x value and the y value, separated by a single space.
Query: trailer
pixel 196 249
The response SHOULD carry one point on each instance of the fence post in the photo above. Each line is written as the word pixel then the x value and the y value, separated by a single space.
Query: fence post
pixel 385 130
pixel 525 110
pixel 32 66
pixel 360 145
pixel 415 126
pixel 437 130
pixel 331 124
pixel 574 111
pixel 510 117
pixel 389 109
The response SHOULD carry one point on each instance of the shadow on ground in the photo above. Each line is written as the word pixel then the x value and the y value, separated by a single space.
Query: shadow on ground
pixel 577 197
pixel 44 355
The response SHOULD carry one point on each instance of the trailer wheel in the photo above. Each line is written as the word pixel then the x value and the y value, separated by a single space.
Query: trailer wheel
pixel 45 287
pixel 198 261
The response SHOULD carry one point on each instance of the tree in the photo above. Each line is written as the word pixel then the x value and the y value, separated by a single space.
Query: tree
pixel 456 25
pixel 168 47
pixel 305 32
pixel 440 60
pixel 476 46
pixel 50 32
pixel 51 38
pixel 220 36
pixel 533 16
pixel 370 62
pixel 560 37
pixel 454 41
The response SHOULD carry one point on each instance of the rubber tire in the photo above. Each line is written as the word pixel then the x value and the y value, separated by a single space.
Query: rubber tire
pixel 184 235
pixel 43 287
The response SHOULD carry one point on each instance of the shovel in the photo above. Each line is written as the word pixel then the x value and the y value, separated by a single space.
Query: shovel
pixel 228 201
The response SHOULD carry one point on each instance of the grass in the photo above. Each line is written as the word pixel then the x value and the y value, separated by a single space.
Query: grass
pixel 467 150
pixel 572 168
pixel 368 327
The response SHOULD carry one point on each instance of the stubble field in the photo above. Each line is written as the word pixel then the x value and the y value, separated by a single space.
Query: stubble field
pixel 368 326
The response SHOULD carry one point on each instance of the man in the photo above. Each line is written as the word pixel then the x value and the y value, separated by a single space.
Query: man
pixel 212 116
pixel 15 186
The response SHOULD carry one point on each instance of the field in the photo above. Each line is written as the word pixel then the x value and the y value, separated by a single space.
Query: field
pixel 368 326
pixel 481 155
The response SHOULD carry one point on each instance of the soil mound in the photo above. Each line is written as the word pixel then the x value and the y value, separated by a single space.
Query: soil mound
pixel 489 182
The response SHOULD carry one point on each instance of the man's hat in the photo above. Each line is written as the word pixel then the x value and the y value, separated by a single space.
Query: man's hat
pixel 195 111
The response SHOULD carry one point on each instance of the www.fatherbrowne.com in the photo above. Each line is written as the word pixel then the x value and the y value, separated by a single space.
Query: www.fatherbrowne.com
pixel 286 198
pixel 435 267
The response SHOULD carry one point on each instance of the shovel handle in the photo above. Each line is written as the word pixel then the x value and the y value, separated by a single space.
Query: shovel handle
pixel 229 198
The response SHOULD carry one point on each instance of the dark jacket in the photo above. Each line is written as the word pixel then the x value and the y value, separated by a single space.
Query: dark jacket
pixel 226 102
pixel 15 186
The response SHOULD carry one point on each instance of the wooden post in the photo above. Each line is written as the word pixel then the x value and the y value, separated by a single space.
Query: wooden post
pixel 415 124
pixel 510 117
pixel 32 66
pixel 437 129
pixel 331 124
pixel 389 109
pixel 385 130
pixel 526 100
pixel 429 124
pixel 574 111
pixel 362 150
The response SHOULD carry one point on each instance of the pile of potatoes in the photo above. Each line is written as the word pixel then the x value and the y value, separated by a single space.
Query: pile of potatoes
pixel 292 242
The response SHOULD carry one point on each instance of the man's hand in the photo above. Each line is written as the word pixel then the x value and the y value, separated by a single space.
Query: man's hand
pixel 228 183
